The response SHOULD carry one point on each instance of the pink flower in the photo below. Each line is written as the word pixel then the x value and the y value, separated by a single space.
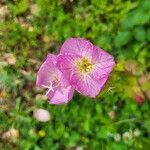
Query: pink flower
pixel 86 66
pixel 49 77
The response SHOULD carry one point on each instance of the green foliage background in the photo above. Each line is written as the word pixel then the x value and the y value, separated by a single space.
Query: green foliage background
pixel 31 29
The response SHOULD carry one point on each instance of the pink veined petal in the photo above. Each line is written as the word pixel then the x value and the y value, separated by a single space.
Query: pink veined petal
pixel 102 69
pixel 52 57
pixel 77 46
pixel 45 72
pixel 87 85
pixel 62 95
pixel 65 63
pixel 82 47
pixel 64 81
pixel 99 55
pixel 103 63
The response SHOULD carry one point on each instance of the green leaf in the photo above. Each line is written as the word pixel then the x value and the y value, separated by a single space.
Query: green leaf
pixel 122 38
pixel 139 33
pixel 118 146
pixel 148 34
pixel 146 5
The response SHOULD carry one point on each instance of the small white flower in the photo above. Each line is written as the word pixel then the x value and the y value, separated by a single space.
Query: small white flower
pixel 115 107
pixel 137 132
pixel 117 137
pixel 127 136
pixel 41 115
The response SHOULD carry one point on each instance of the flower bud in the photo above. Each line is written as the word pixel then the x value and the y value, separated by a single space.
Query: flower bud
pixel 41 115
pixel 41 133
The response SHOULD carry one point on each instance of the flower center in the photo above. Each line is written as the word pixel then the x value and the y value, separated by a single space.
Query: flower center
pixel 52 85
pixel 84 65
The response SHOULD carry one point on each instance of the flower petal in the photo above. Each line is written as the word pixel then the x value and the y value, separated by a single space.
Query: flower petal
pixel 102 69
pixel 65 63
pixel 103 63
pixel 87 85
pixel 99 55
pixel 77 46
pixel 83 47
pixel 62 95
pixel 46 71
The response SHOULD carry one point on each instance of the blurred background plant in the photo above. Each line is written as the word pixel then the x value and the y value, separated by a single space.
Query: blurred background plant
pixel 118 119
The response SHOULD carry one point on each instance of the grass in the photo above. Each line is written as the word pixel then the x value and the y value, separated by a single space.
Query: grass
pixel 29 30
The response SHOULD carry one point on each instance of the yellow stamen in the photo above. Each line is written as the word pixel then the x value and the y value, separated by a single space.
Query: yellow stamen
pixel 84 65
